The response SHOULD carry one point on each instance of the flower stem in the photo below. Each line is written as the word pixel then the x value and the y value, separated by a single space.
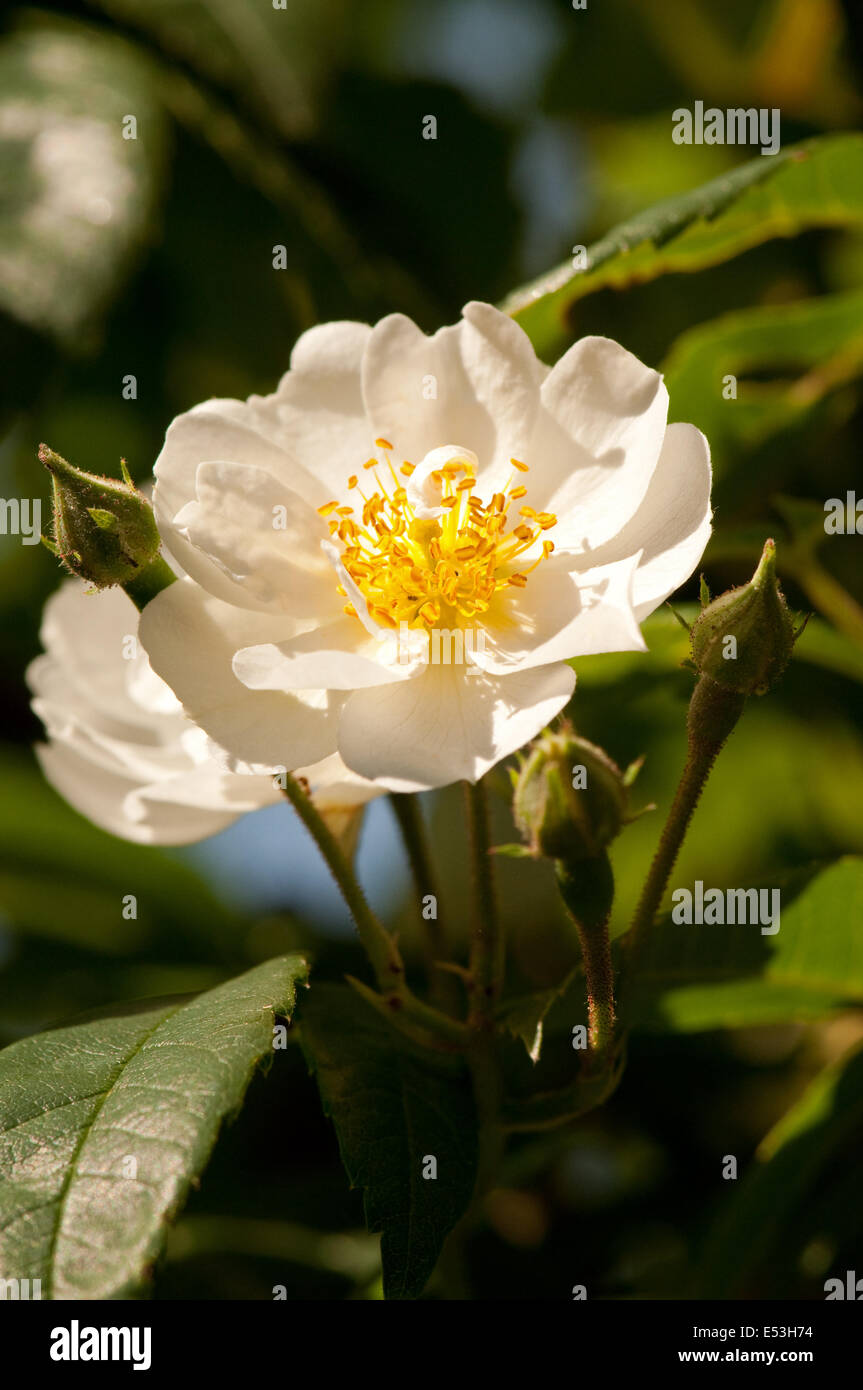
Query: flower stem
pixel 487 944
pixel 443 987
pixel 587 890
pixel 713 712
pixel 150 580
pixel 380 947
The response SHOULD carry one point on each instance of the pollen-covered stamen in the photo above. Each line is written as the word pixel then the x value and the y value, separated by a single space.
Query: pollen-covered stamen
pixel 447 569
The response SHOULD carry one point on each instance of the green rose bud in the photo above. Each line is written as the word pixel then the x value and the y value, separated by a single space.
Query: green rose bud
pixel 104 529
pixel 743 639
pixel 570 799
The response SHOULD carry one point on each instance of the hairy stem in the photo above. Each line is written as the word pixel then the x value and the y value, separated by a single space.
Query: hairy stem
pixel 381 949
pixel 713 713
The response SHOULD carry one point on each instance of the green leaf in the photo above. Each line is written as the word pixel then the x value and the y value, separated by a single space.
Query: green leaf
pixel 691 978
pixel 393 1106
pixel 789 1162
pixel 812 347
pixel 77 197
pixel 525 1016
pixel 816 184
pixel 105 1124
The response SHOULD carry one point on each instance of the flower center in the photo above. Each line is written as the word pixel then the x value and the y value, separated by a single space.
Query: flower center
pixel 448 569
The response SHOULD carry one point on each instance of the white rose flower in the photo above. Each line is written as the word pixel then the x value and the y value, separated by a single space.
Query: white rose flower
pixel 122 752
pixel 426 529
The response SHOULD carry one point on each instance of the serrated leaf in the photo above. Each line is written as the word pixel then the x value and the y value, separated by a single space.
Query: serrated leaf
pixel 695 977
pixel 393 1106
pixel 105 1124
pixel 816 184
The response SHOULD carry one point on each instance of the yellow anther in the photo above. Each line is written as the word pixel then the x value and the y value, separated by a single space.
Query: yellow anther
pixel 439 570
pixel 522 467
pixel 350 610
pixel 327 508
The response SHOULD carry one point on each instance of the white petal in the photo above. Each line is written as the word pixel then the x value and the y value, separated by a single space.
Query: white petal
pixel 205 788
pixel 446 725
pixel 101 796
pixel 340 656
pixel 597 441
pixel 335 787
pixel 191 639
pixel 474 386
pixel 86 635
pixel 561 614
pixel 263 536
pixel 317 412
pixel 215 431
pixel 672 525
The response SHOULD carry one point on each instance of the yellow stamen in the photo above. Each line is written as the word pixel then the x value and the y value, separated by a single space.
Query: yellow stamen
pixel 446 570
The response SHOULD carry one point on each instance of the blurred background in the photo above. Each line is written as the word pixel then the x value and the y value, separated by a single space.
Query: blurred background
pixel 153 257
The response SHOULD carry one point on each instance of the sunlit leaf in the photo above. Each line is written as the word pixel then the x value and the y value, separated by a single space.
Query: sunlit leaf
pixel 105 1124
pixel 817 184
